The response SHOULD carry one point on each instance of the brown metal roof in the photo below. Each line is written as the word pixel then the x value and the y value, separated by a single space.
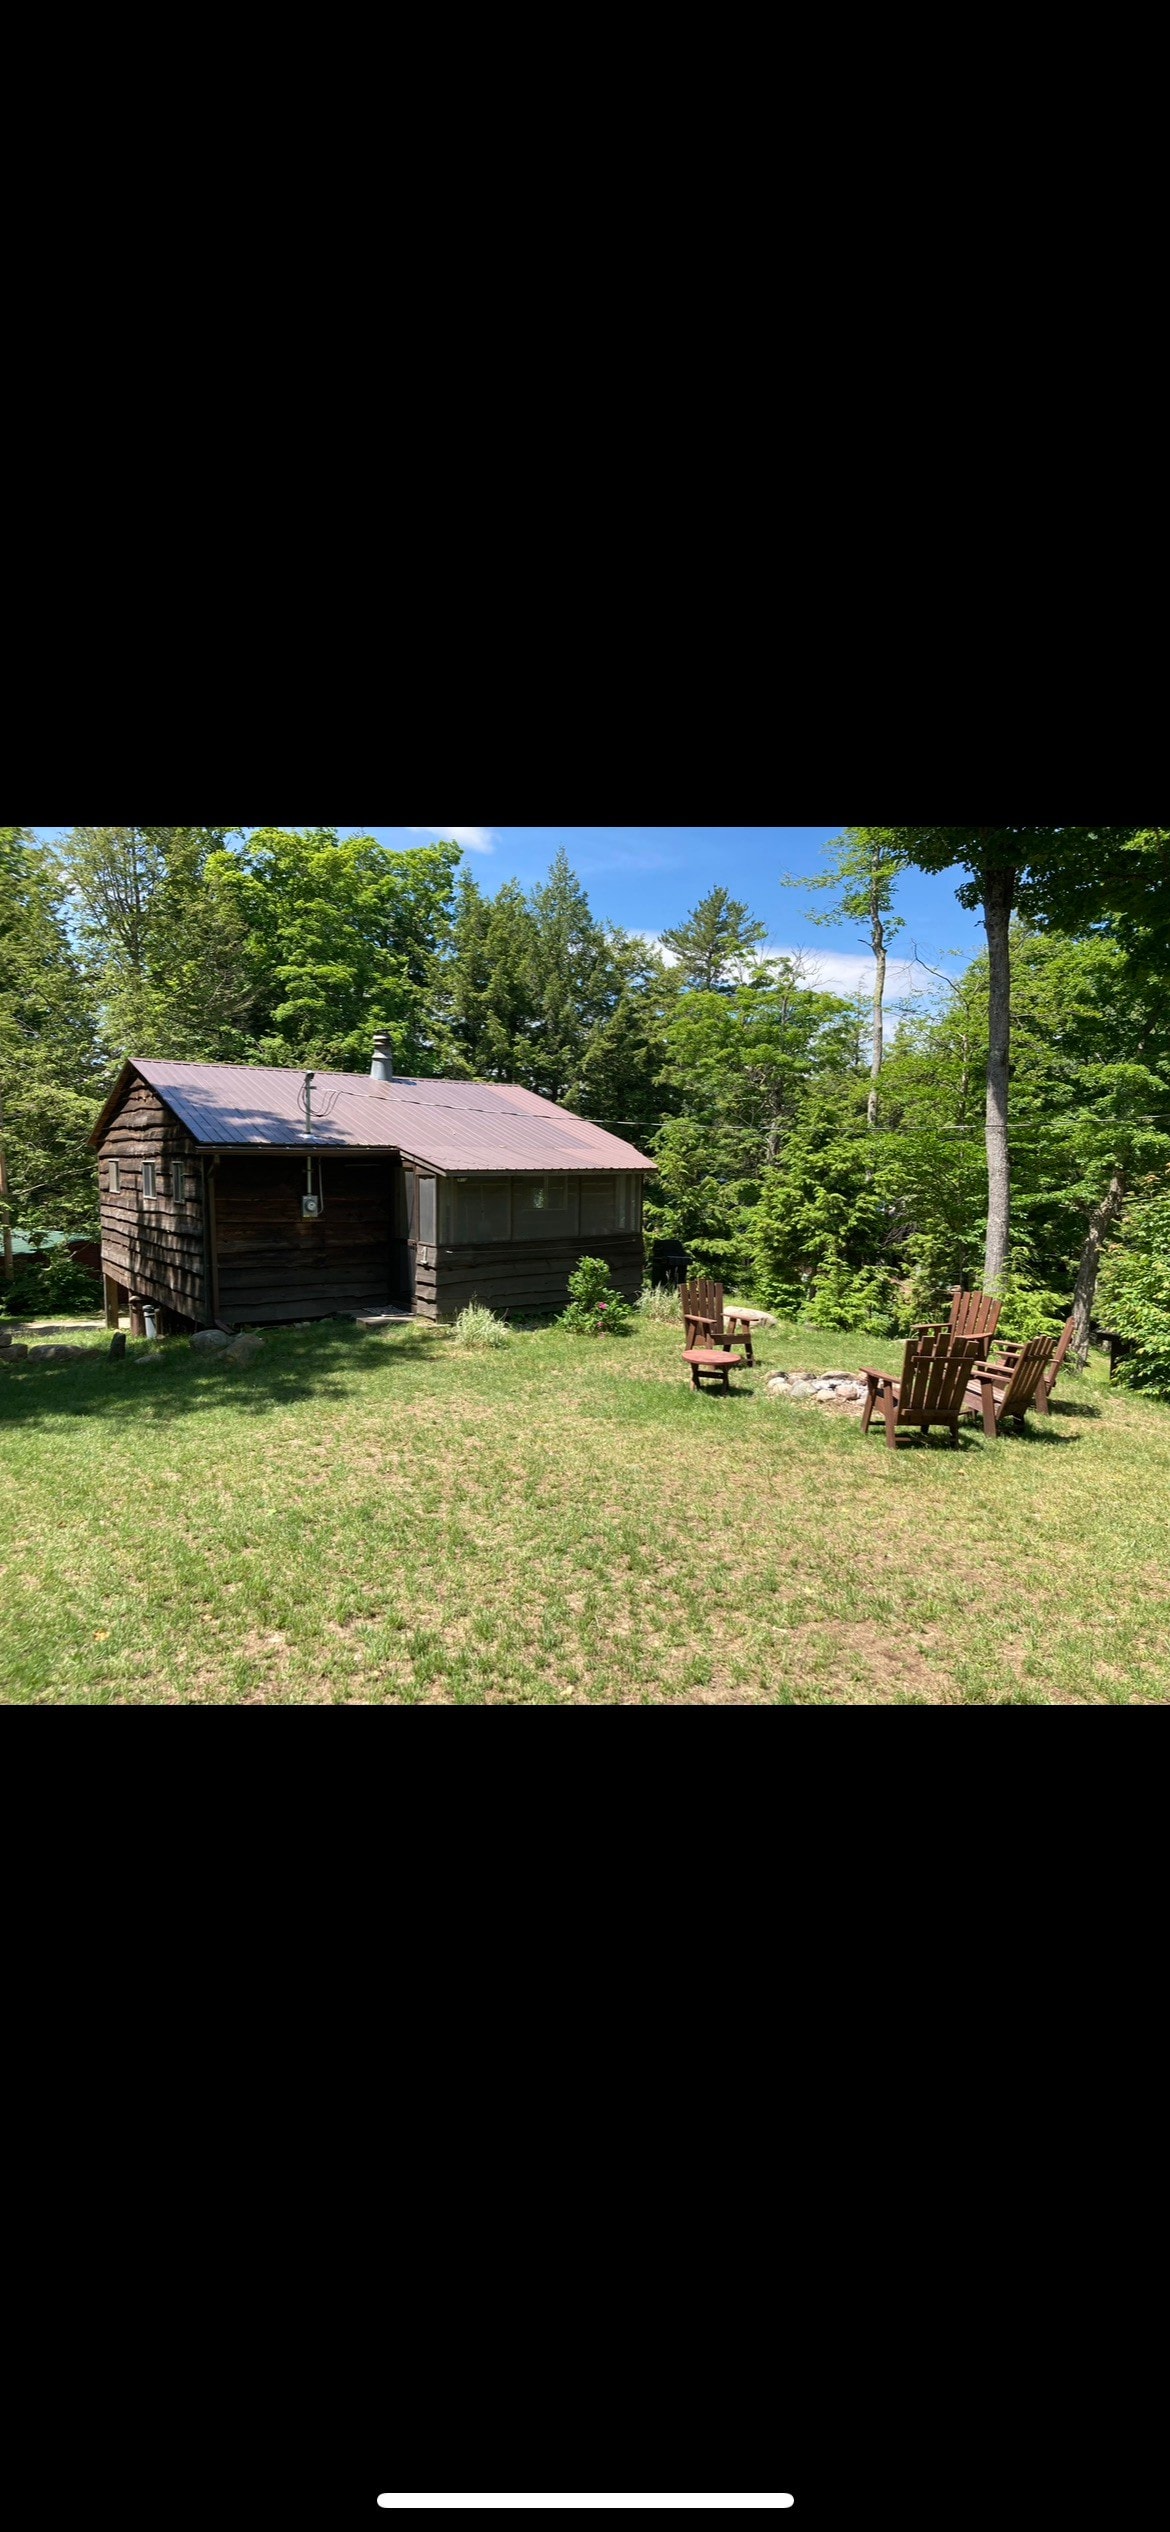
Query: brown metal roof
pixel 452 1126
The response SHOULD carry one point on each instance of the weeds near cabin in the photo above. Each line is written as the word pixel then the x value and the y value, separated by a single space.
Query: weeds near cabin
pixel 659 1301
pixel 479 1326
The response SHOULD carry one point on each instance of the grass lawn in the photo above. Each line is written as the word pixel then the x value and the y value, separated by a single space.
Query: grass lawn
pixel 384 1518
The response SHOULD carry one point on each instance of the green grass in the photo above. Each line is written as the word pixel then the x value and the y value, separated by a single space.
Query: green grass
pixel 390 1518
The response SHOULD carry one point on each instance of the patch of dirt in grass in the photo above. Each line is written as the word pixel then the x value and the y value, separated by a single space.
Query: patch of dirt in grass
pixel 896 1666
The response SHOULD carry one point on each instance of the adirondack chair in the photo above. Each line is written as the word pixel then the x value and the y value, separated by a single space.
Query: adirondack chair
pixel 702 1307
pixel 972 1314
pixel 936 1370
pixel 1008 1351
pixel 1011 1388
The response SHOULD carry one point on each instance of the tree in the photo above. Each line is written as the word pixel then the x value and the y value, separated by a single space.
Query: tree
pixel 864 868
pixel 1049 871
pixel 164 945
pixel 341 937
pixel 717 942
pixel 576 978
pixel 50 1061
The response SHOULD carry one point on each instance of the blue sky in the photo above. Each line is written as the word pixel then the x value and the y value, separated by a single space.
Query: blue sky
pixel 648 877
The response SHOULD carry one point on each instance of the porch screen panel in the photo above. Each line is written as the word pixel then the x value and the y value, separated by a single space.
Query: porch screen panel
pixel 427 1211
pixel 540 1208
pixel 598 1205
pixel 481 1210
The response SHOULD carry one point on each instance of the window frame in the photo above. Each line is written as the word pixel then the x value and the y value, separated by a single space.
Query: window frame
pixel 178 1182
pixel 114 1182
pixel 149 1182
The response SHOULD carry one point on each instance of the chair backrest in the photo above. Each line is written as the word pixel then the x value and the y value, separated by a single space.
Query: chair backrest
pixel 703 1299
pixel 935 1373
pixel 1026 1370
pixel 1064 1340
pixel 974 1314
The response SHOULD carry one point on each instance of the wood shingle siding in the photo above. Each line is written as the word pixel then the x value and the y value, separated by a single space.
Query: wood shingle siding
pixel 152 1245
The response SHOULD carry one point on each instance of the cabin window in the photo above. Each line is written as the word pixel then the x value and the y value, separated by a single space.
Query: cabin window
pixel 148 1178
pixel 115 1178
pixel 482 1210
pixel 598 1204
pixel 539 1204
pixel 178 1182
pixel 427 1211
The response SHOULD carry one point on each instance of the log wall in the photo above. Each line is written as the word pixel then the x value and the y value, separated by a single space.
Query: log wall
pixel 152 1245
pixel 273 1262
pixel 521 1275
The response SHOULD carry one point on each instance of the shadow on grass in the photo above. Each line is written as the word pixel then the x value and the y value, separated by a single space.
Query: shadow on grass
pixel 290 1369
pixel 1073 1406
pixel 1041 1433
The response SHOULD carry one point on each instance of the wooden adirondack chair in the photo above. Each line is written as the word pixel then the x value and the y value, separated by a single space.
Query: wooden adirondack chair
pixel 933 1389
pixel 1007 1354
pixel 1009 1389
pixel 702 1308
pixel 972 1314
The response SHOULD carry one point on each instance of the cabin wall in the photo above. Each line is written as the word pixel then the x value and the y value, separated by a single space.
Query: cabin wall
pixel 542 1229
pixel 152 1245
pixel 274 1262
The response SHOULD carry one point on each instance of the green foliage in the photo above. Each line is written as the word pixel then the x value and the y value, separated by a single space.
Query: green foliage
pixel 478 1326
pixel 47 1283
pixel 717 942
pixel 596 1307
pixel 1134 1297
pixel 50 1061
pixel 341 937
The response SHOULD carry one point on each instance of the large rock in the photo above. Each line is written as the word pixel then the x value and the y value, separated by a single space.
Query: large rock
pixel 59 1354
pixel 144 1354
pixel 210 1341
pixel 13 1353
pixel 5 1339
pixel 243 1349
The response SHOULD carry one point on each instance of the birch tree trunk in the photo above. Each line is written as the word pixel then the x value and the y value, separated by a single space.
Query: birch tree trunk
pixel 877 935
pixel 999 888
pixel 1101 1220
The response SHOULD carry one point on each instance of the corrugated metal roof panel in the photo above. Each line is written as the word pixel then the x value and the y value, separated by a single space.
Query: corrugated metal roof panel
pixel 464 1126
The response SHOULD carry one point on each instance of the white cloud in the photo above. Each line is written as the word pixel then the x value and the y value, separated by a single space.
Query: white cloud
pixel 475 839
pixel 849 971
pixel 834 971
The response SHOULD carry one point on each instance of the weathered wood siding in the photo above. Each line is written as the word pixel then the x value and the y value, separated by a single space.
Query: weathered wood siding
pixel 152 1245
pixel 519 1275
pixel 273 1262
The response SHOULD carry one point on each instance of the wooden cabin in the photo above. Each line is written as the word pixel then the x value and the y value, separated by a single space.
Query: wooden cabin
pixel 220 1202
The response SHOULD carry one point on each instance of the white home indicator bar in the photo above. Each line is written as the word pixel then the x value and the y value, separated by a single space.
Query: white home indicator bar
pixel 586 2501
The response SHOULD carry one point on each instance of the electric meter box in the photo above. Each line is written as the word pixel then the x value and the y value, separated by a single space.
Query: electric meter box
pixel 310 1204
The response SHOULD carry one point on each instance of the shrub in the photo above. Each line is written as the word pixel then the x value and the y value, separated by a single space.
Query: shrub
pixel 477 1325
pixel 659 1301
pixel 596 1307
pixel 47 1282
pixel 864 1302
pixel 1133 1297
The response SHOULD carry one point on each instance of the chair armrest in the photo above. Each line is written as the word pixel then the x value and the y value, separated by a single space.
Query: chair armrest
pixel 876 1375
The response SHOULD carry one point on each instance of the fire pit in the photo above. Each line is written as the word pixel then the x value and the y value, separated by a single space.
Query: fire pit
pixel 820 1389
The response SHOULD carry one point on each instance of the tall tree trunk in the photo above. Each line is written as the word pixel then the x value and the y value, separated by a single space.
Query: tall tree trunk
pixel 877 934
pixel 5 1226
pixel 1101 1220
pixel 999 888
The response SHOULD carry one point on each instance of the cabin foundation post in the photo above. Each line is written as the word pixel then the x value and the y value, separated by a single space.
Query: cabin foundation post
pixel 137 1318
pixel 112 1294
